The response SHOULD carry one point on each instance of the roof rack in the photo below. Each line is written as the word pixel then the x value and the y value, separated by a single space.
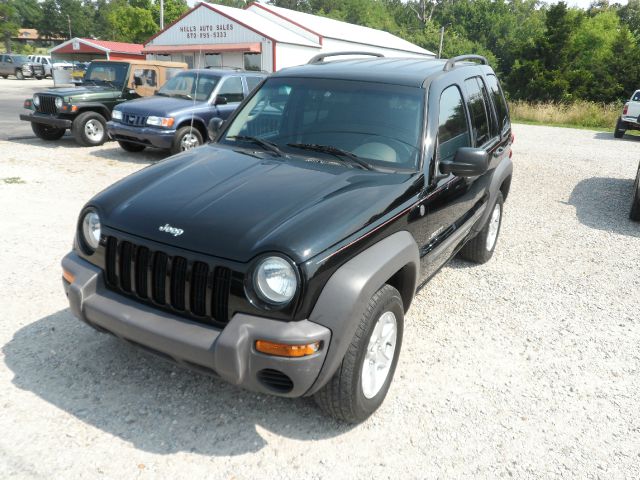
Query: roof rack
pixel 452 61
pixel 320 58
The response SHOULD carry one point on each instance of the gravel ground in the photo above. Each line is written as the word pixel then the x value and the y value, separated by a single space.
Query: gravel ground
pixel 526 367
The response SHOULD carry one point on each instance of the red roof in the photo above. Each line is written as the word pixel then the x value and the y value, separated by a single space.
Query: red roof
pixel 119 47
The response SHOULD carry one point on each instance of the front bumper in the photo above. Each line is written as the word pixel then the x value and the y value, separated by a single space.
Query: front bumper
pixel 147 136
pixel 47 120
pixel 229 353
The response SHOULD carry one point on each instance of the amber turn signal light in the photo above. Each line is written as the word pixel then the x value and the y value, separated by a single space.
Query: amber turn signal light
pixel 68 276
pixel 285 350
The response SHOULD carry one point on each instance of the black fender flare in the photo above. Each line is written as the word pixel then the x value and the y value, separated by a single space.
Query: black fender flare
pixel 347 293
pixel 94 107
pixel 503 171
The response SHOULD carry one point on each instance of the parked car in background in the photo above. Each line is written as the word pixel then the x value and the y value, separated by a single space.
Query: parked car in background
pixel 20 66
pixel 49 64
pixel 629 120
pixel 86 109
pixel 79 69
pixel 284 255
pixel 176 117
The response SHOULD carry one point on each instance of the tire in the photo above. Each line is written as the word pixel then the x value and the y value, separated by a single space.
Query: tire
pixel 185 139
pixel 3 76
pixel 634 214
pixel 130 146
pixel 481 247
pixel 620 129
pixel 346 396
pixel 90 129
pixel 46 132
pixel 39 77
pixel 19 74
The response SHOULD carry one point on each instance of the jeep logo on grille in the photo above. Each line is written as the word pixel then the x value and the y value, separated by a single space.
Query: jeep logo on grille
pixel 176 232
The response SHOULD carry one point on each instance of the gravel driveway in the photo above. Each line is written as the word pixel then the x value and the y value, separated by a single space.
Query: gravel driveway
pixel 526 367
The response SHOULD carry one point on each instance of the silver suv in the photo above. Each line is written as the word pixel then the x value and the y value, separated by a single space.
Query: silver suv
pixel 20 66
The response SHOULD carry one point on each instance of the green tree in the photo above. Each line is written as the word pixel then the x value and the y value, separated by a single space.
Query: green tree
pixel 29 12
pixel 9 22
pixel 173 9
pixel 130 24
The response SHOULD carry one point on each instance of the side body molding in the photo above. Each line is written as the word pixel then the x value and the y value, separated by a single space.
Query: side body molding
pixel 348 291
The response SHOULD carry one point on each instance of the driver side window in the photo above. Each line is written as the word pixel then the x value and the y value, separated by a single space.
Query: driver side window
pixel 453 129
pixel 231 89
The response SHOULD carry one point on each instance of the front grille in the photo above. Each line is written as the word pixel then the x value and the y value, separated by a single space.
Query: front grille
pixel 194 289
pixel 47 104
pixel 134 120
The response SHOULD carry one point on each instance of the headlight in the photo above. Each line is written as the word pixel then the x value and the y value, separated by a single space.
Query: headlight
pixel 116 115
pixel 275 280
pixel 59 102
pixel 36 100
pixel 160 121
pixel 91 230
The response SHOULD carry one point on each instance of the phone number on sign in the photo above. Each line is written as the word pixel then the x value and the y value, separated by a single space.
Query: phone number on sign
pixel 207 35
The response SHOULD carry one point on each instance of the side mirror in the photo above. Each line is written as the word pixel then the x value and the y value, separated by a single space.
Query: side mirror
pixel 468 162
pixel 220 100
pixel 215 124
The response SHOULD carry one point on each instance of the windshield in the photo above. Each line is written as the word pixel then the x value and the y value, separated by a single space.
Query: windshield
pixel 110 74
pixel 376 122
pixel 190 85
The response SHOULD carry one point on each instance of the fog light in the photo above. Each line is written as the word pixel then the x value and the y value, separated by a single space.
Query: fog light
pixel 286 350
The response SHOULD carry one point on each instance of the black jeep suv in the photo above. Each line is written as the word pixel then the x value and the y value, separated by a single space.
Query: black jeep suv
pixel 284 255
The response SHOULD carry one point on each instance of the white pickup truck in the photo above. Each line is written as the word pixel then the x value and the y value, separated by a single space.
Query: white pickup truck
pixel 629 120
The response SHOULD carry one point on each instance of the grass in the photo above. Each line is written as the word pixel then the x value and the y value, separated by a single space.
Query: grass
pixel 581 114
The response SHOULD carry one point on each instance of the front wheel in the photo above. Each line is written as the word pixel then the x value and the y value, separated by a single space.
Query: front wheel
pixel 19 75
pixel 186 138
pixel 634 214
pixel 130 146
pixel 45 132
pixel 620 129
pixel 90 129
pixel 481 247
pixel 362 380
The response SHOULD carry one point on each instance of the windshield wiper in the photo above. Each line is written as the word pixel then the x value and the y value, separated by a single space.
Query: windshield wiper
pixel 182 95
pixel 270 146
pixel 160 94
pixel 335 151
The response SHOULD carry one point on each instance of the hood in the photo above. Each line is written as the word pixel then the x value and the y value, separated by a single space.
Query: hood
pixel 161 106
pixel 235 205
pixel 84 93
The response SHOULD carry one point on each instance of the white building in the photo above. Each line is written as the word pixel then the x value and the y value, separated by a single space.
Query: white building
pixel 264 37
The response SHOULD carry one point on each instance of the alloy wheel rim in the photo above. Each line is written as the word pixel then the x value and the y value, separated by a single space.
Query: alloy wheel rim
pixel 379 356
pixel 189 141
pixel 94 130
pixel 494 226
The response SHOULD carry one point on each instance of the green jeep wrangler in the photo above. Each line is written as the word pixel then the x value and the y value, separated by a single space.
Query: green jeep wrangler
pixel 85 109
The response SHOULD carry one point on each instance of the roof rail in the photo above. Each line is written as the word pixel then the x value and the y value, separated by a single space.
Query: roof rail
pixel 452 61
pixel 320 58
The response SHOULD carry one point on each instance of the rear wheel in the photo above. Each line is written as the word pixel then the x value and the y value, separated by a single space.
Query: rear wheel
pixel 39 77
pixel 3 76
pixel 362 380
pixel 481 247
pixel 46 132
pixel 90 129
pixel 186 138
pixel 634 214
pixel 19 74
pixel 620 129
pixel 130 146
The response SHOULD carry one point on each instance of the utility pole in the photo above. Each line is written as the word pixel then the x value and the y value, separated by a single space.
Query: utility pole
pixel 69 22
pixel 161 14
pixel 442 39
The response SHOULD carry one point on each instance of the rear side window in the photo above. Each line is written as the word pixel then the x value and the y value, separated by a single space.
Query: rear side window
pixel 453 130
pixel 252 82
pixel 636 97
pixel 478 110
pixel 500 103
pixel 231 89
